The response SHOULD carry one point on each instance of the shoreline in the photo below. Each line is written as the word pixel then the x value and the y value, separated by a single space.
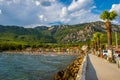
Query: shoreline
pixel 39 53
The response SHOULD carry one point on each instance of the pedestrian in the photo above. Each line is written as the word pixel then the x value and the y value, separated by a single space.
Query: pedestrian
pixel 109 58
pixel 118 60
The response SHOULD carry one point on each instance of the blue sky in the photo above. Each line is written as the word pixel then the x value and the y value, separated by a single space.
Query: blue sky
pixel 31 13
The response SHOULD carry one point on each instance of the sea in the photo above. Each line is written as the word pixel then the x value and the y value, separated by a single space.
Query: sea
pixel 32 66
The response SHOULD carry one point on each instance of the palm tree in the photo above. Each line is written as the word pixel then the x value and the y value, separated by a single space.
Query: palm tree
pixel 98 37
pixel 93 45
pixel 108 16
pixel 95 42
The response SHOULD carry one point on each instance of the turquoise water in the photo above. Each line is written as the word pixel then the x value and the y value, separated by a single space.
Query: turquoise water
pixel 32 67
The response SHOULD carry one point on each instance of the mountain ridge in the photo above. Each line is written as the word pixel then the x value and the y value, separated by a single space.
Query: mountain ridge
pixel 54 34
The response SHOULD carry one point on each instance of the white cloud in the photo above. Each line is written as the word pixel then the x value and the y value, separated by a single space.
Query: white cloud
pixel 80 4
pixel 79 12
pixel 64 12
pixel 41 17
pixel 82 16
pixel 52 12
pixel 0 11
pixel 37 3
pixel 34 12
pixel 116 7
pixel 45 3
pixel 1 0
pixel 52 0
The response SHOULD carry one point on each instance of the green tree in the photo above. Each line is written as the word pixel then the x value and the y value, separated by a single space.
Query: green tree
pixel 93 43
pixel 108 16
pixel 98 36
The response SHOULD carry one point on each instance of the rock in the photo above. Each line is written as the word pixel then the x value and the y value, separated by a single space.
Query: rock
pixel 71 71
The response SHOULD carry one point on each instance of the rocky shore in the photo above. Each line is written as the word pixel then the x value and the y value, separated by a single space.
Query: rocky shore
pixel 39 53
pixel 70 73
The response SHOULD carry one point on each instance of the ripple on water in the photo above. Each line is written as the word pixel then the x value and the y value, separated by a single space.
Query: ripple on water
pixel 32 67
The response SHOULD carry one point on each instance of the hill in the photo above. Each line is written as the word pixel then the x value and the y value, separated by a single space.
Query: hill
pixel 54 34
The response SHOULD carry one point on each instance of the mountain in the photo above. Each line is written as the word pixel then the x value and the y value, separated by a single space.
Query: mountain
pixel 54 34
pixel 16 33
pixel 88 30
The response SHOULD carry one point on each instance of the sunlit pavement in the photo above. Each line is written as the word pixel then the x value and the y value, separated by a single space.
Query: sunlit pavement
pixel 100 69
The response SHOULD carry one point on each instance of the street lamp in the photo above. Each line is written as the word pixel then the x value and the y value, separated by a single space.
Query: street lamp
pixel 116 39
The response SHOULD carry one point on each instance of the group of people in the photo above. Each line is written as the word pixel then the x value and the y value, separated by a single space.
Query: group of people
pixel 114 57
pixel 111 56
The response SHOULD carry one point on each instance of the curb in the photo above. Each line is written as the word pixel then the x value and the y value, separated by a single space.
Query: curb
pixel 82 70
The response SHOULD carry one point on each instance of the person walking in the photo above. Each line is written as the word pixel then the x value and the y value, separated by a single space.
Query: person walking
pixel 118 60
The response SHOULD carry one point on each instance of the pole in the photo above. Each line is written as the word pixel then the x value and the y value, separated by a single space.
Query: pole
pixel 116 39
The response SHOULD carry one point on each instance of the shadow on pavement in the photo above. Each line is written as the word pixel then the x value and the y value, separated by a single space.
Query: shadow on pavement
pixel 90 72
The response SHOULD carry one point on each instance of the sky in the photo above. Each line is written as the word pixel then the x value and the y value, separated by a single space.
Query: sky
pixel 31 13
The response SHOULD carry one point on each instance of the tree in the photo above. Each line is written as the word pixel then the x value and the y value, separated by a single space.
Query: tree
pixel 98 36
pixel 108 16
pixel 93 43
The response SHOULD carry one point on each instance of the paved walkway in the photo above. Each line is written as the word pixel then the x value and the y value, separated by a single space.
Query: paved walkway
pixel 100 69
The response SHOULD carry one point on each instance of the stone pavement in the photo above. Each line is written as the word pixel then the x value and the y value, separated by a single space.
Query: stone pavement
pixel 101 69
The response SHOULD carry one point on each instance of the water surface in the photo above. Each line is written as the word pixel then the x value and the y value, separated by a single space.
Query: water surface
pixel 32 67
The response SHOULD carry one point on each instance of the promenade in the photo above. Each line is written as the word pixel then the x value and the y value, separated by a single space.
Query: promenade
pixel 101 69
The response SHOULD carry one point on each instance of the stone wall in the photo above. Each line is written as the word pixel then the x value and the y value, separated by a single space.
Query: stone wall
pixel 82 70
pixel 71 72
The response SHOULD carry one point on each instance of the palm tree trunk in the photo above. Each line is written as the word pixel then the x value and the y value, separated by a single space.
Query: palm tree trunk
pixel 109 33
pixel 98 43
pixel 93 45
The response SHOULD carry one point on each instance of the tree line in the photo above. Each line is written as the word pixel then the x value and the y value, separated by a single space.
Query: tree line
pixel 8 46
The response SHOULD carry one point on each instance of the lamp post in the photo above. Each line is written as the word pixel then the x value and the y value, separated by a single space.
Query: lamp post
pixel 116 39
